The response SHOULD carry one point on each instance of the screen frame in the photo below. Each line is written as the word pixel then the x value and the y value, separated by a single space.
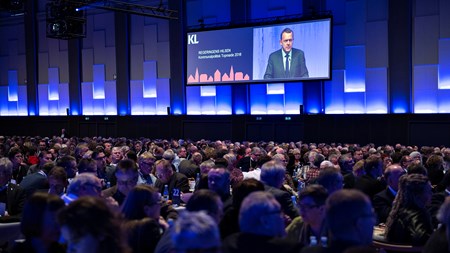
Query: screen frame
pixel 270 23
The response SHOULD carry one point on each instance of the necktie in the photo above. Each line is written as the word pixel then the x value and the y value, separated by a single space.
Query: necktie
pixel 286 71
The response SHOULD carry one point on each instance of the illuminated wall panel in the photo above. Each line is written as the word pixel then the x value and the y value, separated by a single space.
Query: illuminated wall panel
pixel 223 100
pixel 149 84
pixel 13 85
pixel 163 92
pixel 87 98
pixel 4 110
pixel 208 91
pixel 258 100
pixel 425 89
pixel 193 100
pixel 275 88
pixel 444 101
pixel 354 102
pixel 98 85
pixel 444 64
pixel 208 105
pixel 53 83
pixel 136 98
pixel 111 98
pixel 376 90
pixel 293 97
pixel 334 93
pixel 22 105
pixel 275 103
pixel 355 69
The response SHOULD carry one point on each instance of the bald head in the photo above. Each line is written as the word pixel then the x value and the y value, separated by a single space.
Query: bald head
pixel 392 174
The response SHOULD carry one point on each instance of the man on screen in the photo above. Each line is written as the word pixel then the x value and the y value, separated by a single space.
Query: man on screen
pixel 287 62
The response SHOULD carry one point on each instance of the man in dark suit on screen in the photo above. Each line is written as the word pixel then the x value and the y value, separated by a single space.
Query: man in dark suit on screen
pixel 288 62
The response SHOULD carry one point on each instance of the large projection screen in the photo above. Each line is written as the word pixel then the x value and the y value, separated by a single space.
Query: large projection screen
pixel 255 54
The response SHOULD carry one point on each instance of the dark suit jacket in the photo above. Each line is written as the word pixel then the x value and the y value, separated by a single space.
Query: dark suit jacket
pixel 275 66
pixel 284 198
pixel 369 185
pixel 178 181
pixel 188 168
pixel 245 163
pixel 437 242
pixel 382 203
pixel 34 182
pixel 15 200
pixel 436 201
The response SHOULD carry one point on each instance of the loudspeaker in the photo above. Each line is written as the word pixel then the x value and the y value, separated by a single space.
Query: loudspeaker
pixel 168 110
pixel 301 109
pixel 67 111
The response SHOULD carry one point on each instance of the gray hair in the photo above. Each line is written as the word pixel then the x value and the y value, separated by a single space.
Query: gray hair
pixel 195 230
pixel 80 180
pixel 169 154
pixel 272 173
pixel 6 165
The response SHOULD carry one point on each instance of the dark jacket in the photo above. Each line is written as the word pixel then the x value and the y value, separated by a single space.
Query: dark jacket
pixel 382 203
pixel 412 226
pixel 178 181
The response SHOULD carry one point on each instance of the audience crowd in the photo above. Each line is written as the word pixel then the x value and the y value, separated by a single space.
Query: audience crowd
pixel 139 195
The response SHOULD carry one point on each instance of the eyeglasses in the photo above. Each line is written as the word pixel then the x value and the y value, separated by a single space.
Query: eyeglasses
pixel 306 207
pixel 127 182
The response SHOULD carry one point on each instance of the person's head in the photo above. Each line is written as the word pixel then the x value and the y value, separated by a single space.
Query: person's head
pixel 331 179
pixel 6 168
pixel 414 191
pixel 206 166
pixel 16 156
pixel 39 215
pixel 311 203
pixel 392 175
pixel 146 162
pixel 45 157
pixel 100 159
pixel 243 189
pixel 219 181
pixel 416 157
pixel 116 154
pixel 182 153
pixel 89 225
pixel 208 201
pixel 261 214
pixel 127 176
pixel 350 217
pixel 138 146
pixel 272 174
pixel 287 39
pixel 280 158
pixel 256 153
pixel 435 162
pixel 85 184
pixel 57 180
pixel 69 163
pixel 443 214
pixel 142 201
pixel 195 232
pixel 373 166
pixel 164 171
pixel 197 158
pixel 417 168
pixel 169 155
pixel 87 165
pixel 405 161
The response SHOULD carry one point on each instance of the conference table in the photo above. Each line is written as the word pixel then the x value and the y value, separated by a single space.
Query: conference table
pixel 380 242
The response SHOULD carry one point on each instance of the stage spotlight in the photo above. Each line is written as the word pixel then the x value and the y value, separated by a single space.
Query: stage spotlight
pixel 65 20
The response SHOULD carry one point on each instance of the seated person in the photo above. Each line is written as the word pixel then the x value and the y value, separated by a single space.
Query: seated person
pixel 350 221
pixel 311 203
pixel 409 221
pixel 438 242
pixel 127 178
pixel 262 227
pixel 11 195
pixel 166 176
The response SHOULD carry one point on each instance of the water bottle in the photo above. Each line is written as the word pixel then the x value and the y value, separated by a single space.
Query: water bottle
pixel 166 193
pixel 294 200
pixel 197 179
pixel 312 241
pixel 324 241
